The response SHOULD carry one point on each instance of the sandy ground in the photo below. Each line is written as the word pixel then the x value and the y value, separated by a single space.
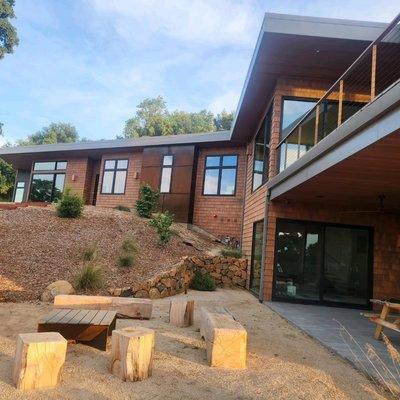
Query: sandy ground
pixel 283 363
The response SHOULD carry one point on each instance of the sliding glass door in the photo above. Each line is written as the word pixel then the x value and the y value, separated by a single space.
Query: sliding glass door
pixel 322 263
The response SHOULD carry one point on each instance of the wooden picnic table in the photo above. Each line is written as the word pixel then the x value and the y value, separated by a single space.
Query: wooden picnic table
pixel 91 327
pixel 382 320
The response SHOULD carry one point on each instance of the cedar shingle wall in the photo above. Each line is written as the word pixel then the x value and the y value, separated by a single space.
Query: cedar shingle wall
pixel 76 175
pixel 220 215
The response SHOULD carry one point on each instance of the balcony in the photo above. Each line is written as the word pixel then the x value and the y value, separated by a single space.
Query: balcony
pixel 371 76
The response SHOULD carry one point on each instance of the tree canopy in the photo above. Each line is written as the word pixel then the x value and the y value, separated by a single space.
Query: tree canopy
pixel 8 34
pixel 152 118
pixel 54 133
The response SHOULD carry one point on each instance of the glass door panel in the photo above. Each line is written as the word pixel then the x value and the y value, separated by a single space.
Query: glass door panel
pixel 346 261
pixel 256 255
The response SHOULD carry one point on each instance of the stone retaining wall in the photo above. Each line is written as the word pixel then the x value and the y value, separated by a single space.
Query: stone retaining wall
pixel 227 271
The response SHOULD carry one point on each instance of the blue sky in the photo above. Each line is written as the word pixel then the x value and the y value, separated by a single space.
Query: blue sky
pixel 90 62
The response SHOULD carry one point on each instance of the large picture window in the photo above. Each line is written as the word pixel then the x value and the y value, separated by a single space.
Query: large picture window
pixel 261 153
pixel 48 180
pixel 114 176
pixel 166 174
pixel 220 175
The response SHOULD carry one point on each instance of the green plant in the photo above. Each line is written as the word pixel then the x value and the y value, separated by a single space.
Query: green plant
pixel 203 281
pixel 147 201
pixel 90 276
pixel 126 260
pixel 129 245
pixel 162 222
pixel 231 252
pixel 70 205
pixel 122 208
pixel 90 253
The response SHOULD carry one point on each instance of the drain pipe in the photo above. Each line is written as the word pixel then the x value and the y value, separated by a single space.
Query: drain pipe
pixel 264 240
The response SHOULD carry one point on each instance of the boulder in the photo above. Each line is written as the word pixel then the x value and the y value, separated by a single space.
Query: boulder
pixel 154 293
pixel 56 288
pixel 144 294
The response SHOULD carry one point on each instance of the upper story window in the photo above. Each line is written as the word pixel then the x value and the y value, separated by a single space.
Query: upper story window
pixel 166 174
pixel 49 165
pixel 114 176
pixel 261 152
pixel 220 175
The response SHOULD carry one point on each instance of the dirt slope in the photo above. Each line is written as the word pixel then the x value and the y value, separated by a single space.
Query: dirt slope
pixel 37 248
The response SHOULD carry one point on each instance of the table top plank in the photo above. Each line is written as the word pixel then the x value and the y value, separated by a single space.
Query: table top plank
pixel 79 317
pixel 108 318
pixel 50 315
pixel 67 318
pixel 58 317
pixel 87 319
pixel 99 317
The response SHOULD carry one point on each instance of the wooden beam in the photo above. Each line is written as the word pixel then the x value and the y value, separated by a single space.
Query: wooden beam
pixel 340 105
pixel 373 71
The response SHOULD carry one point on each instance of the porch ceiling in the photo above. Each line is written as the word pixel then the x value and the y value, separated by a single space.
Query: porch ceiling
pixel 357 181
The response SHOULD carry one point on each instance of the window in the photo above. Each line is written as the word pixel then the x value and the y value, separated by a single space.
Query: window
pixel 256 256
pixel 19 192
pixel 114 176
pixel 220 175
pixel 47 187
pixel 49 165
pixel 261 153
pixel 166 174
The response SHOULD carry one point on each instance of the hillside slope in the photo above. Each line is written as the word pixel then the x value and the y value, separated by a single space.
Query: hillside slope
pixel 38 248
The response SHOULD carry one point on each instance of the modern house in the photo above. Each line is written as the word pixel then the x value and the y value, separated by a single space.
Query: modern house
pixel 307 179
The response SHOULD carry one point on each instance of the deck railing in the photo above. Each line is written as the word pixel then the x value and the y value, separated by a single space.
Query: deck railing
pixel 373 72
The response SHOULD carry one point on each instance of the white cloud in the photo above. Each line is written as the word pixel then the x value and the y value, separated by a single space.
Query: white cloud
pixel 227 101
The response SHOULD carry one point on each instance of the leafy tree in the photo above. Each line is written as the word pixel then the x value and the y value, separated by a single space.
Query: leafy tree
pixel 152 118
pixel 8 34
pixel 223 121
pixel 54 133
pixel 7 177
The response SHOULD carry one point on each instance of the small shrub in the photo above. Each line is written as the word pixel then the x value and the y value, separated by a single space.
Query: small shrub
pixel 231 252
pixel 147 202
pixel 90 253
pixel 162 222
pixel 126 260
pixel 123 208
pixel 70 205
pixel 90 277
pixel 203 281
pixel 129 245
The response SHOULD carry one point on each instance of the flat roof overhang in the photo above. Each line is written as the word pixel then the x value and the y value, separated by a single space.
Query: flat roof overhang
pixel 21 157
pixel 354 165
pixel 300 48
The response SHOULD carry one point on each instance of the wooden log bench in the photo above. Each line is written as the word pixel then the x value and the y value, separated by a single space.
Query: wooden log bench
pixel 125 307
pixel 181 312
pixel 39 358
pixel 390 311
pixel 90 327
pixel 226 339
pixel 132 351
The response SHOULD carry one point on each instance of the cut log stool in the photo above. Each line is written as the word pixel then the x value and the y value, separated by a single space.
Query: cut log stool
pixel 181 313
pixel 132 353
pixel 39 358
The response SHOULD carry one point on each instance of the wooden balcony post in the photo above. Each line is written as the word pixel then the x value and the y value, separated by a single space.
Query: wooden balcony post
pixel 316 124
pixel 298 142
pixel 373 71
pixel 340 105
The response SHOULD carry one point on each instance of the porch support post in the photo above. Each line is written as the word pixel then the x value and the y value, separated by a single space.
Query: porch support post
pixel 340 105
pixel 316 124
pixel 373 71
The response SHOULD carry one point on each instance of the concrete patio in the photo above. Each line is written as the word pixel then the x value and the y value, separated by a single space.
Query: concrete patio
pixel 323 324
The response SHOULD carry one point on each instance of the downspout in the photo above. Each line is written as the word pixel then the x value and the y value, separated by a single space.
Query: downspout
pixel 264 240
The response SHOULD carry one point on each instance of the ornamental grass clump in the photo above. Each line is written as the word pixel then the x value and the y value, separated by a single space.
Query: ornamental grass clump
pixel 231 252
pixel 147 201
pixel 162 223
pixel 90 276
pixel 130 251
pixel 70 205
pixel 90 253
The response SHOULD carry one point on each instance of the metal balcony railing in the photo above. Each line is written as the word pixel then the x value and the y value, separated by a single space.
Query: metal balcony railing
pixel 373 72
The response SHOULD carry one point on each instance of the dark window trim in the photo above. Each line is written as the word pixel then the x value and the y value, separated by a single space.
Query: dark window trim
pixel 48 170
pixel 323 224
pixel 220 167
pixel 54 173
pixel 252 255
pixel 114 170
pixel 266 146
pixel 166 166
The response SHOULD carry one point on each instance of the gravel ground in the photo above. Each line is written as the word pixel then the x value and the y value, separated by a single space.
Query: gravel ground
pixel 38 248
pixel 283 363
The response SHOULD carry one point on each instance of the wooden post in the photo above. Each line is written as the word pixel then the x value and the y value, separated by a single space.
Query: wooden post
pixel 316 124
pixel 181 313
pixel 373 71
pixel 340 105
pixel 379 328
pixel 39 358
pixel 132 353
pixel 299 142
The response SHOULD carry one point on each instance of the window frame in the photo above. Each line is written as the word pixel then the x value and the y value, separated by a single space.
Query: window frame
pixel 219 168
pixel 114 170
pixel 266 154
pixel 54 173
pixel 166 167
pixel 49 170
